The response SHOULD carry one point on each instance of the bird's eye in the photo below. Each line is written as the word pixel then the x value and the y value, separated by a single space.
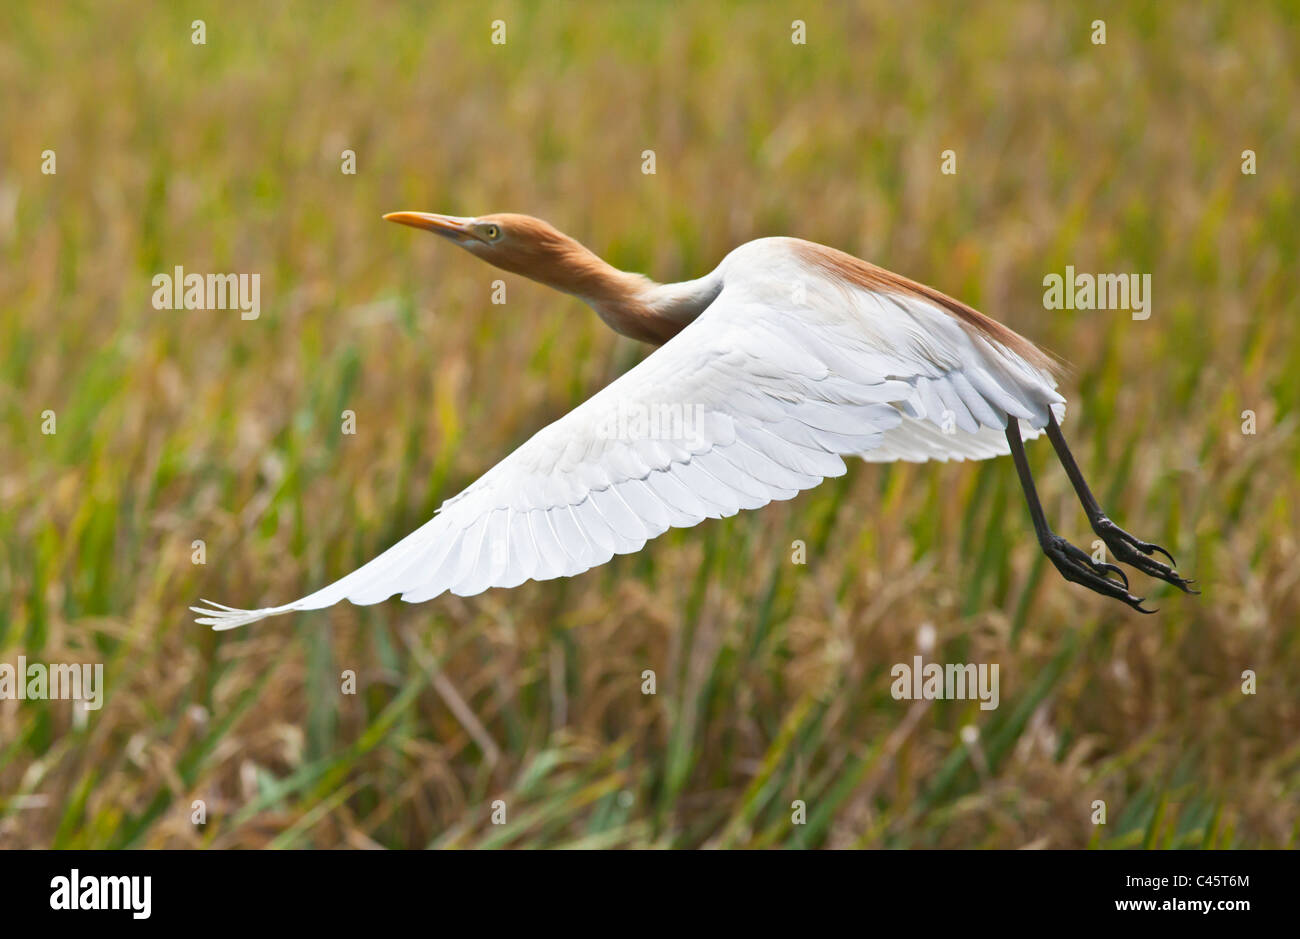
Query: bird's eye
pixel 492 232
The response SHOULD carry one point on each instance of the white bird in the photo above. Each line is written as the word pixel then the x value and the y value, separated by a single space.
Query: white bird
pixel 787 357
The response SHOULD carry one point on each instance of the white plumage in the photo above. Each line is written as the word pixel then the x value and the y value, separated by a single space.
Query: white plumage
pixel 785 372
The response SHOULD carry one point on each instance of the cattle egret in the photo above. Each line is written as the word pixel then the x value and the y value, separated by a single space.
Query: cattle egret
pixel 787 357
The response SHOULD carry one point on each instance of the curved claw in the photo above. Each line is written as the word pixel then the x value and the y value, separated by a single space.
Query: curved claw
pixel 1148 548
pixel 1154 568
pixel 1117 569
pixel 1136 603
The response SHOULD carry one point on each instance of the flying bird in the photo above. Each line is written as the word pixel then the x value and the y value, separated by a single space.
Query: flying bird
pixel 786 358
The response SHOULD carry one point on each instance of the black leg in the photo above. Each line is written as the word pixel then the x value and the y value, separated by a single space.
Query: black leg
pixel 1123 546
pixel 1073 562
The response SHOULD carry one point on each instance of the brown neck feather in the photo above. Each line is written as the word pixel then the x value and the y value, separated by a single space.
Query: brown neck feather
pixel 630 303
pixel 620 299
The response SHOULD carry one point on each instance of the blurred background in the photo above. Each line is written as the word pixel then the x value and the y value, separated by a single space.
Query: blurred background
pixel 773 678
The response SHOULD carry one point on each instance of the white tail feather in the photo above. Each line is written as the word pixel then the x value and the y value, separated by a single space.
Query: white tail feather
pixel 219 616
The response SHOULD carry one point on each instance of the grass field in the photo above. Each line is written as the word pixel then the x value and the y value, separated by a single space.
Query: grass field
pixel 773 678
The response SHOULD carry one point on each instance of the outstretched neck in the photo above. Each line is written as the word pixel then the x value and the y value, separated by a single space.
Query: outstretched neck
pixel 635 305
pixel 652 312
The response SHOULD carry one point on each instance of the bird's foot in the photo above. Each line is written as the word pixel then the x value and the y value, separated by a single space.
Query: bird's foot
pixel 1140 554
pixel 1078 567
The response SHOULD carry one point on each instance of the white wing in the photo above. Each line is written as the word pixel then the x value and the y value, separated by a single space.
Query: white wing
pixel 755 400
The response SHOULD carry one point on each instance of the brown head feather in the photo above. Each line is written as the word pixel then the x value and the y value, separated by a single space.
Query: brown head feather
pixel 537 250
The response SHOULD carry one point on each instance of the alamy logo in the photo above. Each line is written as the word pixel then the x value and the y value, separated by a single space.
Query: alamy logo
pixel 55 682
pixel 1098 292
pixel 76 892
pixel 635 420
pixel 181 291
pixel 953 682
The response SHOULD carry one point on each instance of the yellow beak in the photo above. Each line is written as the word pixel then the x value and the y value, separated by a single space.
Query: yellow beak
pixel 450 226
